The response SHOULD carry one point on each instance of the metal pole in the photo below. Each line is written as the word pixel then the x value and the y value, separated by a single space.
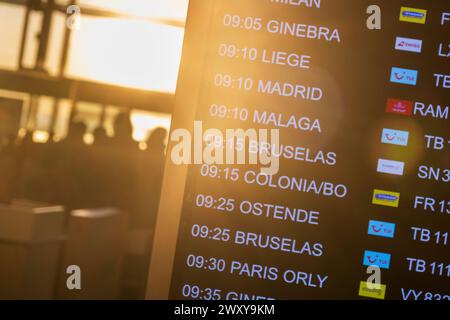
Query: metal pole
pixel 24 36
pixel 44 35
pixel 65 47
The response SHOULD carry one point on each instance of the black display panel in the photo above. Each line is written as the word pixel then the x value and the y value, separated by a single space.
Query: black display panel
pixel 364 161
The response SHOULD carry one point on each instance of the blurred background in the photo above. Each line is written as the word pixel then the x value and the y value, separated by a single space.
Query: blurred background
pixel 85 109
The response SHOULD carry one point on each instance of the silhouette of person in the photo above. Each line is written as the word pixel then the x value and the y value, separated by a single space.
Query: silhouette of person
pixel 102 165
pixel 123 132
pixel 152 168
pixel 73 168
pixel 156 142
pixel 75 136
pixel 123 174
pixel 10 169
pixel 29 170
pixel 101 138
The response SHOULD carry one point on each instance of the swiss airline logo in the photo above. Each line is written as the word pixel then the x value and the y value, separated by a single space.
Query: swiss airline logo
pixel 397 137
pixel 407 44
pixel 404 76
pixel 402 107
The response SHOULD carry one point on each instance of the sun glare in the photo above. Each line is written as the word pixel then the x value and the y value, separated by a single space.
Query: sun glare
pixel 128 53
pixel 168 9
pixel 136 53
pixel 145 122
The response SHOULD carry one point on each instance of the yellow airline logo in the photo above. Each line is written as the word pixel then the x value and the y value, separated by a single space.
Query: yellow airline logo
pixel 413 15
pixel 386 198
pixel 377 291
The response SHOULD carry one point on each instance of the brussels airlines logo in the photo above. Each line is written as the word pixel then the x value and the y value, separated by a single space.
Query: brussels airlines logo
pixel 407 44
pixel 381 229
pixel 397 137
pixel 413 15
pixel 386 198
pixel 390 167
pixel 379 259
pixel 404 76
pixel 403 107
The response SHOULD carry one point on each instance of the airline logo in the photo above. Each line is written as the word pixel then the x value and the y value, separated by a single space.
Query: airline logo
pixel 390 167
pixel 381 229
pixel 403 107
pixel 407 44
pixel 413 15
pixel 397 137
pixel 386 198
pixel 404 76
pixel 379 259
pixel 372 290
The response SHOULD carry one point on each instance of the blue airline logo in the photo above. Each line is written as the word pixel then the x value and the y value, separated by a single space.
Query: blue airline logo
pixel 404 76
pixel 379 259
pixel 381 229
pixel 397 137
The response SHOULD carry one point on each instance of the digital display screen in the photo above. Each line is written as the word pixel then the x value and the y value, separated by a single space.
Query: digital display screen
pixel 362 189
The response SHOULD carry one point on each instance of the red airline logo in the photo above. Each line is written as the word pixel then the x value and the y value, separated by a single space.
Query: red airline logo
pixel 403 107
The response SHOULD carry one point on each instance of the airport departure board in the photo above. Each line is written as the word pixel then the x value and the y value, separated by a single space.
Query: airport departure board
pixel 363 118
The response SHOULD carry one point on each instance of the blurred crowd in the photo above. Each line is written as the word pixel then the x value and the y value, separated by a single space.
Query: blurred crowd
pixel 112 172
